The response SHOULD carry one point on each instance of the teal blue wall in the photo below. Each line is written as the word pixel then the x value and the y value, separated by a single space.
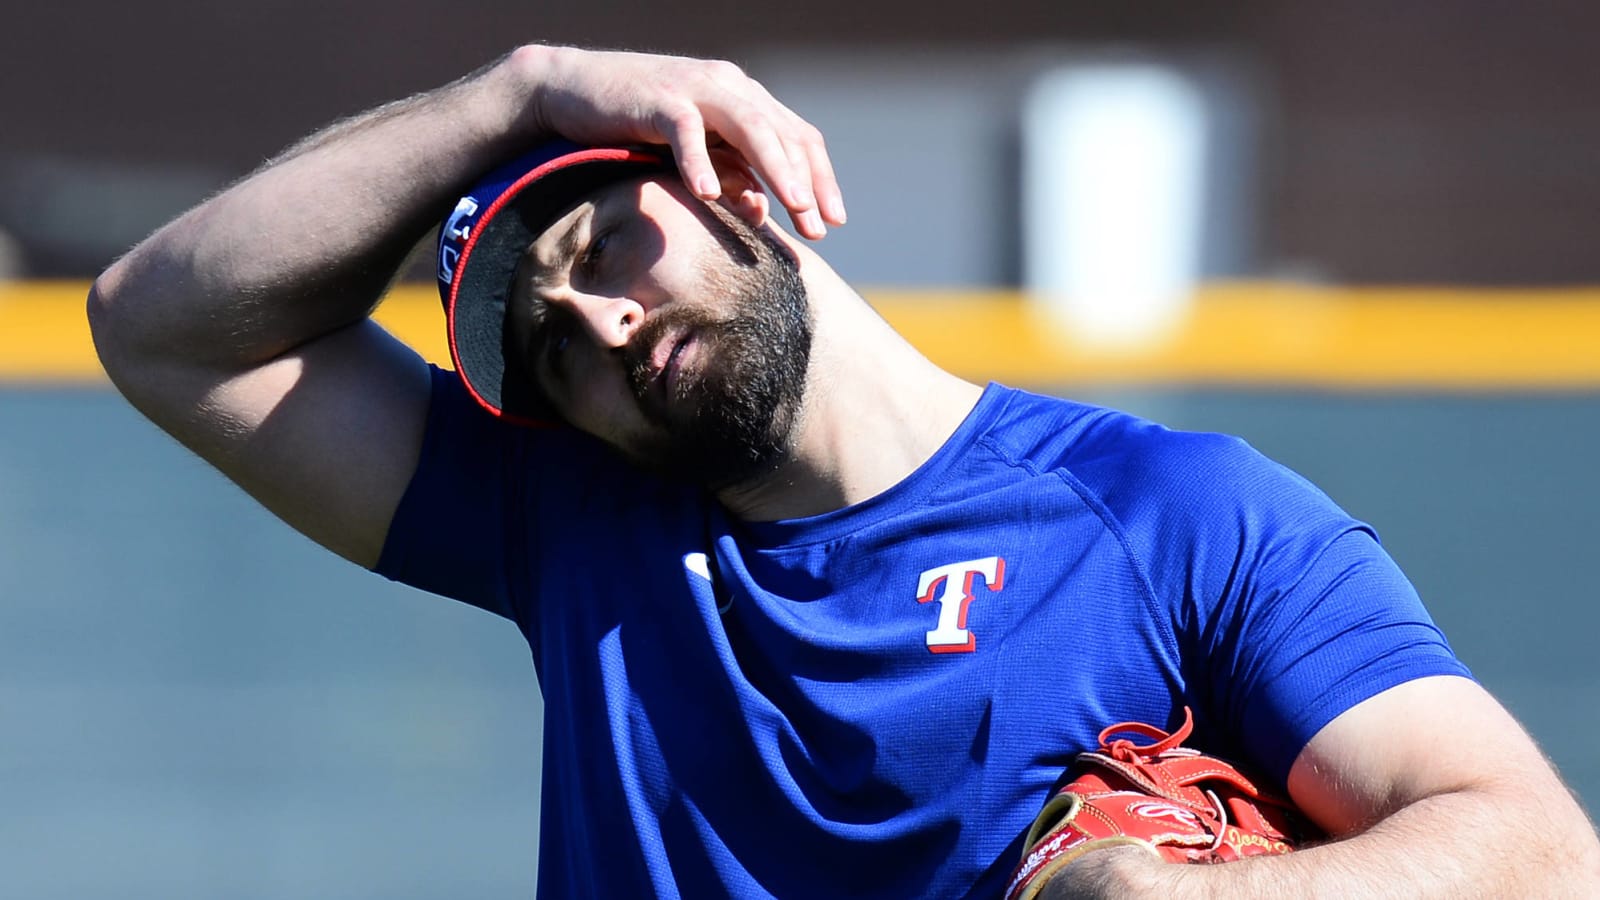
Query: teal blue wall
pixel 197 702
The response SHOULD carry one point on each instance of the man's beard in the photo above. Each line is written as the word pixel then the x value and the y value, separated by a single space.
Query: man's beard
pixel 728 418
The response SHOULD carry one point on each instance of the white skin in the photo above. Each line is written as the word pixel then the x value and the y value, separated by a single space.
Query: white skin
pixel 608 300
pixel 619 272
pixel 658 255
pixel 242 328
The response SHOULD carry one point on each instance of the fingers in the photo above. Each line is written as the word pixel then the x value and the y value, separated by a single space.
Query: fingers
pixel 806 143
pixel 784 150
pixel 759 138
pixel 811 167
pixel 830 200
pixel 695 106
pixel 741 189
pixel 686 134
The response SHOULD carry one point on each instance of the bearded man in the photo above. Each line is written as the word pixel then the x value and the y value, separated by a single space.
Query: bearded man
pixel 811 616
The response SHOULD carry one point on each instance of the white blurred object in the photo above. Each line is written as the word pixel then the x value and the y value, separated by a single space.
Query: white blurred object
pixel 11 258
pixel 1113 186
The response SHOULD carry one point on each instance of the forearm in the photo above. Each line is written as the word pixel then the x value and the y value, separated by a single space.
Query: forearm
pixel 1459 844
pixel 307 244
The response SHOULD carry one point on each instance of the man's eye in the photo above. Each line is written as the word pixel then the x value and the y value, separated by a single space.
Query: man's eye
pixel 597 249
pixel 554 341
pixel 557 338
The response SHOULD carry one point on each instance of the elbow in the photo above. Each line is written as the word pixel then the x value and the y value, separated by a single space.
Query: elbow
pixel 100 309
pixel 1568 845
pixel 112 326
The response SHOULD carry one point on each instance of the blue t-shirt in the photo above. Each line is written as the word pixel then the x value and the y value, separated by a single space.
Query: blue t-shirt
pixel 876 701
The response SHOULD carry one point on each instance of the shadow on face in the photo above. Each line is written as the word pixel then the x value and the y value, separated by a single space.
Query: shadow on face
pixel 617 214
pixel 730 411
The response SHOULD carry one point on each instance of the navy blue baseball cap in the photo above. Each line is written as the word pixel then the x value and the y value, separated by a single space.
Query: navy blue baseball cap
pixel 485 238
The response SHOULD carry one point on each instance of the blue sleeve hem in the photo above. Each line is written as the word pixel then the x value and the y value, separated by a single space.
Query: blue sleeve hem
pixel 448 534
pixel 397 542
pixel 1348 695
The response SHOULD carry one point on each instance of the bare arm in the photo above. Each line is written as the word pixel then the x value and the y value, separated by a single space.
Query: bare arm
pixel 242 327
pixel 1433 790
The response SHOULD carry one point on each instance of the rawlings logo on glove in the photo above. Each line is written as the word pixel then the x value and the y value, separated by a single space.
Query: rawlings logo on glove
pixel 1178 803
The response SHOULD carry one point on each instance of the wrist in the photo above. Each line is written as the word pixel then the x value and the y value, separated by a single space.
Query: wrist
pixel 1114 873
pixel 527 74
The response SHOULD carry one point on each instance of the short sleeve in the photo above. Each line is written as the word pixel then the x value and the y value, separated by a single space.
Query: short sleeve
pixel 1287 611
pixel 1294 612
pixel 452 532
pixel 1290 650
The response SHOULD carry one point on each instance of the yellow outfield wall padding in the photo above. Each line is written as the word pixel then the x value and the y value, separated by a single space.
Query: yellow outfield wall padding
pixel 44 335
pixel 1244 334
pixel 1278 334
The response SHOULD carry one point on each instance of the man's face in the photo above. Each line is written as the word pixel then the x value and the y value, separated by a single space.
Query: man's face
pixel 668 328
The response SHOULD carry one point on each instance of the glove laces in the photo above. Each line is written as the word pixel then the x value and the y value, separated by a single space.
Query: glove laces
pixel 1135 754
pixel 1138 755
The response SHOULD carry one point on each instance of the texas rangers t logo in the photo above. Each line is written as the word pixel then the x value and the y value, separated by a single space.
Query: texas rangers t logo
pixel 939 583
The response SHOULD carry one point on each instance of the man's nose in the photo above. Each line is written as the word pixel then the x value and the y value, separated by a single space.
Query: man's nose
pixel 609 320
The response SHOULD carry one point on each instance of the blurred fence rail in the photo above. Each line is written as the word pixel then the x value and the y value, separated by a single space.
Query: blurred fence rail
pixel 1237 334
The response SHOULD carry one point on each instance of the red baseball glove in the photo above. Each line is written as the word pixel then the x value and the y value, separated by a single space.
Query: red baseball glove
pixel 1178 803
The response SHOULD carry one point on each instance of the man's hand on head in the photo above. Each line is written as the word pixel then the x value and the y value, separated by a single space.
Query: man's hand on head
pixel 724 128
pixel 254 348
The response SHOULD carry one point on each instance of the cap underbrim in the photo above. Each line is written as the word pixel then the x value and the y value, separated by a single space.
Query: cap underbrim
pixel 483 273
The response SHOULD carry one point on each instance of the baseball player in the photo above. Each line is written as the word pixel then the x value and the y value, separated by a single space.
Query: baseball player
pixel 811 616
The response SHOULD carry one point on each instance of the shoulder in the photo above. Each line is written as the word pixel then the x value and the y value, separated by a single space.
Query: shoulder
pixel 1147 473
pixel 493 504
pixel 1183 503
pixel 1132 465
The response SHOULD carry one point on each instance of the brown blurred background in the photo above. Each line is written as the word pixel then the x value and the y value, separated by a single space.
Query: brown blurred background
pixel 1424 141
